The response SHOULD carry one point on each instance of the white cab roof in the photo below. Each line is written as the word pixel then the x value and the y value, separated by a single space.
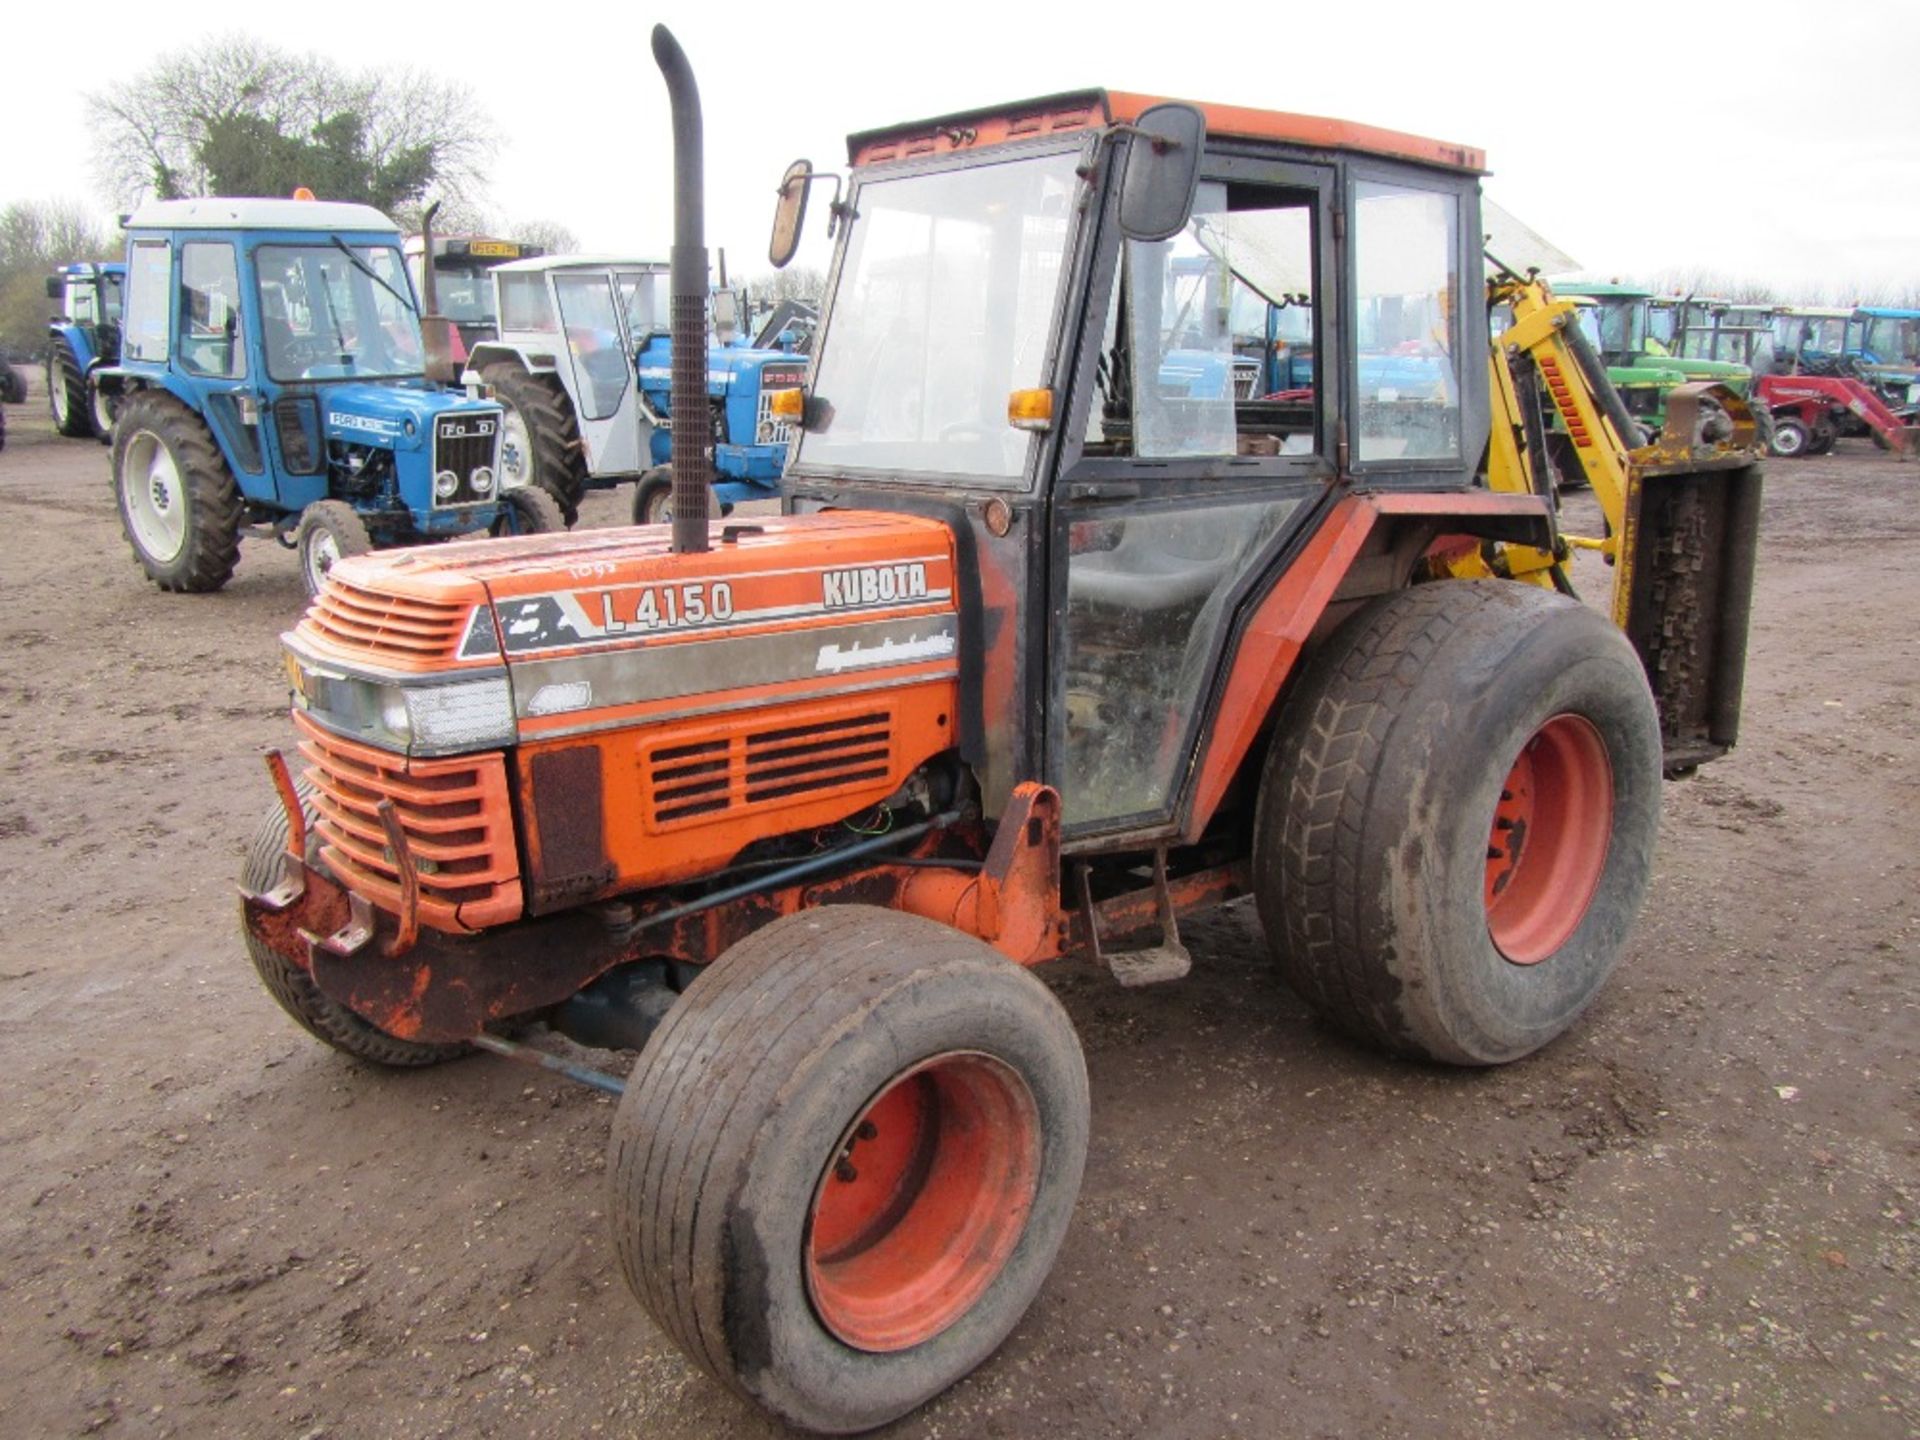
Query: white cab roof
pixel 577 262
pixel 221 212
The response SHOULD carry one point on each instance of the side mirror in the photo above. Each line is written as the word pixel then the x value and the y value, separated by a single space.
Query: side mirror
pixel 790 213
pixel 1163 172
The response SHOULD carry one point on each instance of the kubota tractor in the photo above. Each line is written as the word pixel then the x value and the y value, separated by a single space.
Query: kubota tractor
pixel 1049 649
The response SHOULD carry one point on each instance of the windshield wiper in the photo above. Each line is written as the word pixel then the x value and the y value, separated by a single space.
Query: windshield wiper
pixel 371 273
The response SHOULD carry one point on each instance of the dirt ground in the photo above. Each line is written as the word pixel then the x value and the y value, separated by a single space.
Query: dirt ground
pixel 1693 1216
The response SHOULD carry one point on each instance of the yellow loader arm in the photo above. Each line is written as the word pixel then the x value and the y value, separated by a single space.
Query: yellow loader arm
pixel 1681 509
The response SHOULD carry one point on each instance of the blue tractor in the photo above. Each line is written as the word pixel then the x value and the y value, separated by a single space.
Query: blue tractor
pixel 583 367
pixel 272 381
pixel 82 338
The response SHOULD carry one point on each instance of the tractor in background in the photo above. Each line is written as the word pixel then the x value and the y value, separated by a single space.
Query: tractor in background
pixel 1822 389
pixel 1884 342
pixel 272 381
pixel 82 337
pixel 1619 321
pixel 583 366
pixel 463 268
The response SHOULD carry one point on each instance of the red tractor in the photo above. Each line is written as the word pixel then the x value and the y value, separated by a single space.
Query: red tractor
pixel 1810 412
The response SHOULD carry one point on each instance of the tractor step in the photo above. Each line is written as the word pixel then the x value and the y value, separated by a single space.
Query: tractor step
pixel 1154 964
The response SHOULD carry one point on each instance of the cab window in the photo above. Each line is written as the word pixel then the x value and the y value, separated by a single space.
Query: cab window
pixel 1406 273
pixel 210 311
pixel 594 339
pixel 1210 336
pixel 524 304
pixel 148 327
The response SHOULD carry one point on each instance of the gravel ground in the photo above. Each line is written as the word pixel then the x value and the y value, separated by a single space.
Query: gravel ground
pixel 1693 1216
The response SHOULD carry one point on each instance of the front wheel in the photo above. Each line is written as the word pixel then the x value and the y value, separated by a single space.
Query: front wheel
pixel 1791 437
pixel 100 409
pixel 844 1165
pixel 329 531
pixel 1456 824
pixel 527 511
pixel 653 498
pixel 178 504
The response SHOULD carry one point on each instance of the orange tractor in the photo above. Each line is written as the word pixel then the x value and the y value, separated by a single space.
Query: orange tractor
pixel 1065 631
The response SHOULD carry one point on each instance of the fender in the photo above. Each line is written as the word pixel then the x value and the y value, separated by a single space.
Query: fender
pixel 538 362
pixel 1266 647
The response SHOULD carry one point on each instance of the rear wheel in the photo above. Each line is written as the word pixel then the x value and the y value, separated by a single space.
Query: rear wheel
pixel 179 507
pixel 67 392
pixel 329 531
pixel 1457 820
pixel 293 988
pixel 100 409
pixel 1823 438
pixel 845 1163
pixel 539 436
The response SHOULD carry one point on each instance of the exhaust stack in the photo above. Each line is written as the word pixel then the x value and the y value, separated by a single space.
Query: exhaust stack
pixel 692 422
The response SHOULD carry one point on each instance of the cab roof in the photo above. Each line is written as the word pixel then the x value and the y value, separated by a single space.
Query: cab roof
pixel 1603 289
pixel 1094 109
pixel 224 212
pixel 577 262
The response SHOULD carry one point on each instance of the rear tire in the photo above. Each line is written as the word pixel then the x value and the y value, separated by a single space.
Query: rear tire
pixel 293 988
pixel 179 507
pixel 1456 825
pixel 831 1045
pixel 329 532
pixel 1825 436
pixel 67 392
pixel 540 437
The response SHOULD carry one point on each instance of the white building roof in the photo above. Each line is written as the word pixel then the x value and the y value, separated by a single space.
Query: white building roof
pixel 222 212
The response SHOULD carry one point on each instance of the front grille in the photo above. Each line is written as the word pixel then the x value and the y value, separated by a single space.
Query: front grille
pixel 466 441
pixel 692 780
pixel 1246 378
pixel 455 816
pixel 404 631
pixel 767 430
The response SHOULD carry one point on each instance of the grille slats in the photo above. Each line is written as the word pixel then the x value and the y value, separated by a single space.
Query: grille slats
pixel 453 812
pixel 690 781
pixel 464 442
pixel 405 629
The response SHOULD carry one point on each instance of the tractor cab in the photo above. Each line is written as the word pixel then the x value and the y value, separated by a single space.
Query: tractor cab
pixel 83 336
pixel 272 378
pixel 463 278
pixel 1635 333
pixel 1885 342
pixel 1702 328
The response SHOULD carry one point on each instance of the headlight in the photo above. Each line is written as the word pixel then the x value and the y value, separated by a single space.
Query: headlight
pixel 444 485
pixel 450 719
pixel 483 480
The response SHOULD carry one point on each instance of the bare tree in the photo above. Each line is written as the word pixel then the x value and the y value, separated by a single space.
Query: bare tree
pixel 796 282
pixel 156 133
pixel 549 235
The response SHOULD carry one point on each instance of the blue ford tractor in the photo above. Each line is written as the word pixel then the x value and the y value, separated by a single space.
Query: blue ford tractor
pixel 82 337
pixel 583 366
pixel 272 381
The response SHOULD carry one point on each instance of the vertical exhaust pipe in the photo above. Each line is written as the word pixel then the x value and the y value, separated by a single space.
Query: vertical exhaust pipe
pixel 692 422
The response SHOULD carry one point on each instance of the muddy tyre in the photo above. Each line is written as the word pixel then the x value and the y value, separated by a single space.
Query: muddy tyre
pixel 527 511
pixel 844 1165
pixel 329 532
pixel 67 396
pixel 293 988
pixel 540 438
pixel 179 507
pixel 1457 820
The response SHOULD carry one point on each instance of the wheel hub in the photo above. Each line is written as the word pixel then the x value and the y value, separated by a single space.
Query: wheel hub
pixel 1547 847
pixel 922 1201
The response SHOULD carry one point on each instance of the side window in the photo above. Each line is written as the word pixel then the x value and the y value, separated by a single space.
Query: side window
pixel 1406 269
pixel 149 302
pixel 210 311
pixel 600 363
pixel 644 298
pixel 1210 335
pixel 524 304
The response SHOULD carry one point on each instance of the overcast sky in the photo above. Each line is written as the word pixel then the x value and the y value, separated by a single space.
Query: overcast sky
pixel 1767 140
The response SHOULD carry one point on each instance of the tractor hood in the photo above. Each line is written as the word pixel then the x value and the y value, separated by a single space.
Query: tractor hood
pixel 727 369
pixel 610 627
pixel 391 417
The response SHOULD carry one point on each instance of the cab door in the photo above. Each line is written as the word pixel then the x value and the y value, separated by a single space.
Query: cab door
pixel 600 355
pixel 1195 455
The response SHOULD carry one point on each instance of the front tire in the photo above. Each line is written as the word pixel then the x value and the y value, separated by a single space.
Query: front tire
pixel 653 497
pixel 329 532
pixel 1457 820
pixel 540 437
pixel 844 1165
pixel 293 988
pixel 527 511
pixel 1791 437
pixel 179 507
pixel 67 394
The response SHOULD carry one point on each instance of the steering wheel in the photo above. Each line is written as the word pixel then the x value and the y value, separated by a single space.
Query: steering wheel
pixel 302 353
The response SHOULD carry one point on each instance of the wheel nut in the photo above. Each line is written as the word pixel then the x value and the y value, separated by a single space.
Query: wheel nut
pixel 844 1172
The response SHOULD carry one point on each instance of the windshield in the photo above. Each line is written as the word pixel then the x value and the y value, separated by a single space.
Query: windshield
pixel 1811 334
pixel 1892 342
pixel 944 305
pixel 110 298
pixel 323 317
pixel 465 293
pixel 1623 327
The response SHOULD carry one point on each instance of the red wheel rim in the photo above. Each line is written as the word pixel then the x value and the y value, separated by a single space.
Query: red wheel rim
pixel 1548 845
pixel 922 1201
